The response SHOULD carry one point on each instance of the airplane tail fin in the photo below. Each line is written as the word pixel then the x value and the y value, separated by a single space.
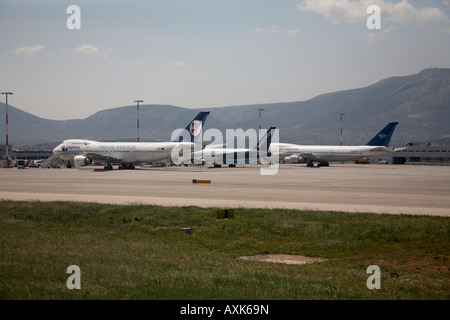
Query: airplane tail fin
pixel 266 140
pixel 383 137
pixel 194 127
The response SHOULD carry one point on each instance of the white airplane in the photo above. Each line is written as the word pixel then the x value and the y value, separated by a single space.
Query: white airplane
pixel 79 152
pixel 218 154
pixel 379 144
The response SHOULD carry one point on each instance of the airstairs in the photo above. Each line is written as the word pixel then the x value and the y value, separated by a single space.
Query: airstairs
pixel 52 161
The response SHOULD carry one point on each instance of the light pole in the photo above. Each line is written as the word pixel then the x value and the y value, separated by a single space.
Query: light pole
pixel 260 118
pixel 341 114
pixel 7 159
pixel 137 101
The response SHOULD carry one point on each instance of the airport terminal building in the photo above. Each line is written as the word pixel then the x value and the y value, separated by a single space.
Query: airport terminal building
pixel 15 155
pixel 25 154
pixel 416 153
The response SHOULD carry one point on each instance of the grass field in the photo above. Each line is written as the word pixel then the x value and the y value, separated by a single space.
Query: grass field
pixel 138 252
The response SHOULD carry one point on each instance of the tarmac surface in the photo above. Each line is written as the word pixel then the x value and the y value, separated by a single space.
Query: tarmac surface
pixel 392 189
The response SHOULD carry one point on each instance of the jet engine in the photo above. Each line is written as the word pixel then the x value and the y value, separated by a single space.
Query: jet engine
pixel 292 159
pixel 80 161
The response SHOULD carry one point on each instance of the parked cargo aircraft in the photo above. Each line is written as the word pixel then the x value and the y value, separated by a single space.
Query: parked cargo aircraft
pixel 79 152
pixel 379 144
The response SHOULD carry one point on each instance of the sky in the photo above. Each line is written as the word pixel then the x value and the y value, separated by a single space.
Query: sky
pixel 208 53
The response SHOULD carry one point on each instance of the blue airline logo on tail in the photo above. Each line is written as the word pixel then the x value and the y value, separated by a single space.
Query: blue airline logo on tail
pixel 384 136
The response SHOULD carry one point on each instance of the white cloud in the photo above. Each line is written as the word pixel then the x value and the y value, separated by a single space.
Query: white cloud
pixel 273 30
pixel 335 10
pixel 379 35
pixel 29 51
pixel 401 12
pixel 177 63
pixel 292 32
pixel 446 2
pixel 90 50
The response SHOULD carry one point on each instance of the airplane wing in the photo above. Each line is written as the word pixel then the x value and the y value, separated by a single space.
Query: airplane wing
pixel 309 156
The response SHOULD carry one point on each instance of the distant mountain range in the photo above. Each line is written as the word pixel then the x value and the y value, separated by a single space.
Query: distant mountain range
pixel 420 103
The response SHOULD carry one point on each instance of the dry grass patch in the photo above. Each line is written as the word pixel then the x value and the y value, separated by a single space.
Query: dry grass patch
pixel 283 258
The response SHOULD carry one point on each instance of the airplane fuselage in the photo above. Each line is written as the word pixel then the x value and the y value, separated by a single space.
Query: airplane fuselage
pixel 379 144
pixel 327 153
pixel 127 152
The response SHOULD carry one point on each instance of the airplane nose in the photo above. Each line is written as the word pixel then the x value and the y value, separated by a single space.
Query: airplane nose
pixel 58 148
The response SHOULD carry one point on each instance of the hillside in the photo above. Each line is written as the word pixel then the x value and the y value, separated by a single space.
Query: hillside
pixel 420 102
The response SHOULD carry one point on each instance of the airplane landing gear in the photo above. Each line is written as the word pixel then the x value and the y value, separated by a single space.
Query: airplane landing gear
pixel 310 164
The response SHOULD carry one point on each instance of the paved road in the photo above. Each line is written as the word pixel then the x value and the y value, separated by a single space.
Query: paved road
pixel 340 187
